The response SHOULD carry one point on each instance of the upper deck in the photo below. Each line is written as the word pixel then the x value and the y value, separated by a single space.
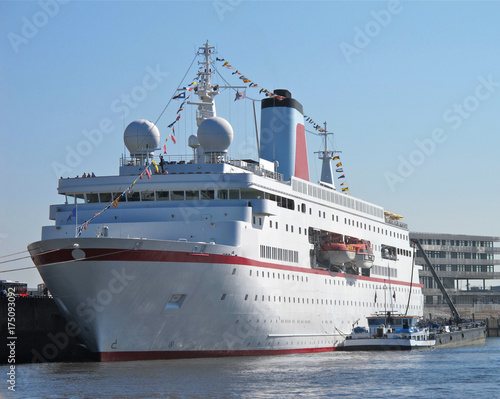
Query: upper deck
pixel 232 179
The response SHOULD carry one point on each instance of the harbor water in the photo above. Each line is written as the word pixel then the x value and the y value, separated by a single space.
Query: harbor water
pixel 469 372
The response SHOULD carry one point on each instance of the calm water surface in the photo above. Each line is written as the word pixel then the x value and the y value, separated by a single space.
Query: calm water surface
pixel 441 373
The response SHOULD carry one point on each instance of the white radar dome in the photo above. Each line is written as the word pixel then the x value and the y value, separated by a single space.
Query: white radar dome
pixel 141 137
pixel 215 134
pixel 193 141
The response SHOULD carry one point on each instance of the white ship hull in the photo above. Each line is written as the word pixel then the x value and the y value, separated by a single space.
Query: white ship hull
pixel 147 299
pixel 229 259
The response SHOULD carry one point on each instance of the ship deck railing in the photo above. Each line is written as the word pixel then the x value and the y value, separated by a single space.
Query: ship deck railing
pixel 253 167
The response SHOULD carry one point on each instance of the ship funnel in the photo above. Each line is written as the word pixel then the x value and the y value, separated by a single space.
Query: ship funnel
pixel 282 136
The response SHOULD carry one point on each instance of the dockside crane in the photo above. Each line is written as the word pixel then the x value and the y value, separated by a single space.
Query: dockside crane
pixel 454 311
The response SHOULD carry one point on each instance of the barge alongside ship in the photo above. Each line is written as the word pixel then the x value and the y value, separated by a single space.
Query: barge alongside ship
pixel 399 332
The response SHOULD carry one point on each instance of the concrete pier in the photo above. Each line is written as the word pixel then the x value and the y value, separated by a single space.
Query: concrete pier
pixel 492 327
pixel 42 334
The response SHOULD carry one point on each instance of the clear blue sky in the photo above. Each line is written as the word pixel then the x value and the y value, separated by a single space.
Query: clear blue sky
pixel 412 90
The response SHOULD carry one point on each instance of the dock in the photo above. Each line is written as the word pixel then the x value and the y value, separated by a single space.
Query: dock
pixel 41 334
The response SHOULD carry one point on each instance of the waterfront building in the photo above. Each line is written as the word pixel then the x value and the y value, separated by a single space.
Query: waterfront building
pixel 467 265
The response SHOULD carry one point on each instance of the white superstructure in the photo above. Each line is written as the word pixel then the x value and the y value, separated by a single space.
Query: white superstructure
pixel 220 257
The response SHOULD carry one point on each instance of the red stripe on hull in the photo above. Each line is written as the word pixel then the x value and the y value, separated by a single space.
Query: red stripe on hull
pixel 139 255
pixel 165 355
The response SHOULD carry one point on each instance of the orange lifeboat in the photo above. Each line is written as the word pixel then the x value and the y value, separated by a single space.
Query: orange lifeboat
pixel 339 252
pixel 364 252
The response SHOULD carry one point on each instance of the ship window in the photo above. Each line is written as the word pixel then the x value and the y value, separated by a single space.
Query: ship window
pixel 133 196
pixel 260 221
pixel 234 194
pixel 105 197
pixel 162 195
pixel 92 198
pixel 79 199
pixel 222 194
pixel 246 297
pixel 223 297
pixel 192 195
pixel 177 195
pixel 271 224
pixel 147 195
pixel 207 194
pixel 247 193
pixel 300 230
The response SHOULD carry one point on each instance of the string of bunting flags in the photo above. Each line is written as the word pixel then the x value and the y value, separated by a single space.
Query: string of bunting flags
pixel 178 96
pixel 315 125
pixel 339 169
pixel 251 84
pixel 268 93
pixel 115 201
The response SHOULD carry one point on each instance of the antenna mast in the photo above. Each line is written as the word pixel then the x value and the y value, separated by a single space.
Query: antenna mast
pixel 326 156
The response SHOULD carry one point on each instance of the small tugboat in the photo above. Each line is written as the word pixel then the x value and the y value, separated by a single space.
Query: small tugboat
pixel 388 331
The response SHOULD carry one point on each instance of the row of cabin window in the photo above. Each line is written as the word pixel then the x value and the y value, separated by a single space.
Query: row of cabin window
pixel 336 198
pixel 274 253
pixel 277 274
pixel 259 221
pixel 349 222
pixel 328 302
pixel 184 195
pixel 171 195
pixel 328 281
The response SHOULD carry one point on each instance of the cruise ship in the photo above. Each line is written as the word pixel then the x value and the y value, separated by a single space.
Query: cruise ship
pixel 211 256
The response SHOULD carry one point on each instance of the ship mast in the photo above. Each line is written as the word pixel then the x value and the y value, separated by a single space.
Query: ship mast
pixel 326 156
pixel 206 92
pixel 204 89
